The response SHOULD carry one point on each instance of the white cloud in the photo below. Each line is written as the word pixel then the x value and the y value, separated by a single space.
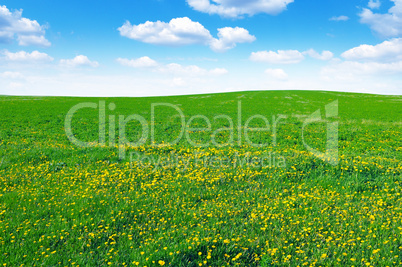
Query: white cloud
pixel 350 70
pixel 386 51
pixel 236 8
pixel 278 74
pixel 289 56
pixel 78 61
pixel 179 31
pixel 28 32
pixel 280 57
pixel 229 37
pixel 386 25
pixel 191 70
pixel 12 75
pixel 339 18
pixel 142 62
pixel 374 4
pixel 26 40
pixel 219 71
pixel 367 64
pixel 172 68
pixel 184 31
pixel 23 56
pixel 325 55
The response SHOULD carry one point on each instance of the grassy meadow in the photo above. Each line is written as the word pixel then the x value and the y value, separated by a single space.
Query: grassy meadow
pixel 206 205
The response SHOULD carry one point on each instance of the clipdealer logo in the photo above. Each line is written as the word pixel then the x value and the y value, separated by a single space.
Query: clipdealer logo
pixel 148 132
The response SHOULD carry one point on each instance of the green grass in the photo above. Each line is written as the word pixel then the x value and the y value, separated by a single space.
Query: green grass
pixel 65 205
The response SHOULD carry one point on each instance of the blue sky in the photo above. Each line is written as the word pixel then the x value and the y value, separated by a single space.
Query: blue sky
pixel 161 47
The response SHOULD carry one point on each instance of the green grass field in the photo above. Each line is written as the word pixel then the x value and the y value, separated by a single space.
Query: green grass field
pixel 185 205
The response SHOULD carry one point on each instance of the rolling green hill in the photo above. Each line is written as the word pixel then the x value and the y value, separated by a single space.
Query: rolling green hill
pixel 202 180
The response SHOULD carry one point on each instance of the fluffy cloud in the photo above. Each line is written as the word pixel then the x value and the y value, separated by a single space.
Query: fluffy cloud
pixel 340 18
pixel 142 62
pixel 79 61
pixel 350 70
pixel 191 70
pixel 386 25
pixel 325 55
pixel 184 31
pixel 26 40
pixel 387 51
pixel 23 56
pixel 228 37
pixel 179 31
pixel 12 75
pixel 219 71
pixel 28 32
pixel 278 74
pixel 368 61
pixel 374 4
pixel 236 8
pixel 280 57
pixel 288 56
pixel 172 68
pixel 177 69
